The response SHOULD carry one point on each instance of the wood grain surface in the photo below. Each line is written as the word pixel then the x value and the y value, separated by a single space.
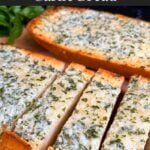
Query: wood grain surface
pixel 26 42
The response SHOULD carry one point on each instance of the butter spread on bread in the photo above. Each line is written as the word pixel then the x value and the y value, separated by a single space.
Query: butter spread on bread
pixel 131 125
pixel 38 126
pixel 86 126
pixel 23 75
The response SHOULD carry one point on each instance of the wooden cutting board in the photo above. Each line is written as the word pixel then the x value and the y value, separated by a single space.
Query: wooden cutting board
pixel 26 42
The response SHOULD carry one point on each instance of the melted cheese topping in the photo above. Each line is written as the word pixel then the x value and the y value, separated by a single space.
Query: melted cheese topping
pixel 37 124
pixel 21 78
pixel 126 41
pixel 131 126
pixel 85 128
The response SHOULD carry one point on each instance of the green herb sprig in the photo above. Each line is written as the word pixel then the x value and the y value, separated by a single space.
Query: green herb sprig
pixel 13 19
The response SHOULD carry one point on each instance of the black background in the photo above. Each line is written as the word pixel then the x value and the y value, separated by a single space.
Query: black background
pixel 78 3
pixel 142 12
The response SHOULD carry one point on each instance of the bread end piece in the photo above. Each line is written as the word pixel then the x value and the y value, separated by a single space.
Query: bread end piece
pixel 10 141
pixel 93 61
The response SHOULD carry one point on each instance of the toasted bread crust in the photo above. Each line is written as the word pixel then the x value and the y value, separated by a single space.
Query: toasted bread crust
pixel 86 72
pixel 77 66
pixel 93 61
pixel 50 148
pixel 108 75
pixel 10 141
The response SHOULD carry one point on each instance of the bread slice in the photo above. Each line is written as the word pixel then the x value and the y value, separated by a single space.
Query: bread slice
pixel 23 78
pixel 96 39
pixel 131 125
pixel 47 115
pixel 86 126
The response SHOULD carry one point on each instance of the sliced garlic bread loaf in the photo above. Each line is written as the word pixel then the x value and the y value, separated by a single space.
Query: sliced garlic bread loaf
pixel 40 124
pixel 95 39
pixel 131 125
pixel 23 76
pixel 86 126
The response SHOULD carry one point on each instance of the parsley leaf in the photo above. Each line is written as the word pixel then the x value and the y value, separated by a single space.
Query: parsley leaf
pixel 14 18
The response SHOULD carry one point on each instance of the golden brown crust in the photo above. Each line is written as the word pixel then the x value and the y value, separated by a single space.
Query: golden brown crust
pixel 10 141
pixel 93 61
pixel 89 72
pixel 111 77
pixel 50 148
pixel 109 74
pixel 86 72
pixel 106 72
pixel 76 66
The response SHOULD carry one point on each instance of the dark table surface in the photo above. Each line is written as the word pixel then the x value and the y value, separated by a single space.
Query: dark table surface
pixel 136 12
